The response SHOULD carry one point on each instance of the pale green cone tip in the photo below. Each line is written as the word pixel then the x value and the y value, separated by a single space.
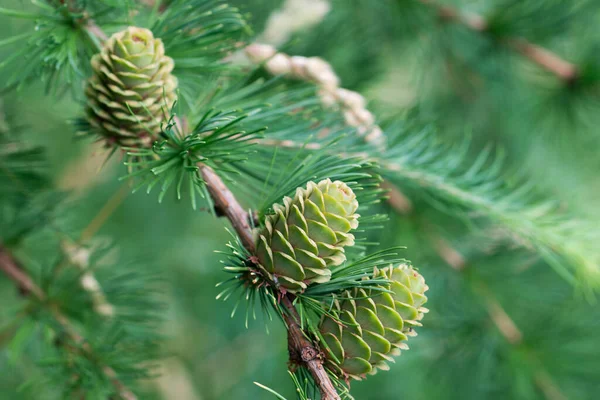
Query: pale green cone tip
pixel 307 234
pixel 372 325
pixel 131 89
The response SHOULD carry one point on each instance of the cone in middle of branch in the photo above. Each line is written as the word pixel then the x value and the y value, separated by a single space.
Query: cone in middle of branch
pixel 307 234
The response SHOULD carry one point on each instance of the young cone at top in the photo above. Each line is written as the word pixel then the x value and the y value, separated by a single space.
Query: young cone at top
pixel 131 89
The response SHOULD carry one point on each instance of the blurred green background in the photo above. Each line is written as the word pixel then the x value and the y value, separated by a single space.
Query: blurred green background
pixel 402 57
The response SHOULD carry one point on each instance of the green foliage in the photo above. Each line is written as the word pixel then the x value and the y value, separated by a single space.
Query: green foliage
pixel 57 48
pixel 229 141
pixel 216 141
pixel 502 322
pixel 363 32
pixel 26 199
pixel 74 357
pixel 545 346
pixel 482 188
pixel 198 35
pixel 62 329
pixel 351 276
pixel 247 284
pixel 21 167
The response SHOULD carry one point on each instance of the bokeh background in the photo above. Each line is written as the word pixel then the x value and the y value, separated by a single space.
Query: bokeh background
pixel 503 325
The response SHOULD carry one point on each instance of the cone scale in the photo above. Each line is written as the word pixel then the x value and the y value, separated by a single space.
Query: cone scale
pixel 306 235
pixel 131 89
pixel 372 326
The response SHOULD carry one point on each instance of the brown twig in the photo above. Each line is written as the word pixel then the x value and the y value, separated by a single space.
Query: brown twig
pixel 499 317
pixel 153 3
pixel 545 59
pixel 538 55
pixel 502 320
pixel 105 212
pixel 227 205
pixel 548 387
pixel 307 353
pixel 95 30
pixel 397 199
pixel 11 267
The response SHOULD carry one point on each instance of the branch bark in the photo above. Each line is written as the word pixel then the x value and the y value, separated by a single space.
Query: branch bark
pixel 95 30
pixel 226 204
pixel 14 271
pixel 307 353
pixel 11 267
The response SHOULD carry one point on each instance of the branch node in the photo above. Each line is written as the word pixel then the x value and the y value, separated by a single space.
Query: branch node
pixel 309 353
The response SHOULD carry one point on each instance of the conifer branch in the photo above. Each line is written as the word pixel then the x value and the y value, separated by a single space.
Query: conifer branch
pixel 499 317
pixel 523 220
pixel 105 212
pixel 14 271
pixel 226 204
pixel 527 220
pixel 79 256
pixel 352 104
pixel 73 251
pixel 538 55
pixel 86 22
pixel 513 335
pixel 11 267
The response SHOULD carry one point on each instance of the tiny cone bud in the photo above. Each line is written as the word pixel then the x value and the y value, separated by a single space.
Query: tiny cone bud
pixel 365 117
pixel 299 66
pixel 321 72
pixel 259 53
pixel 375 136
pixel 279 64
pixel 351 99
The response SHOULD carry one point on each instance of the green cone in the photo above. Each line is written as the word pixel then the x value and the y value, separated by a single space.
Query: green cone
pixel 307 234
pixel 131 88
pixel 373 325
